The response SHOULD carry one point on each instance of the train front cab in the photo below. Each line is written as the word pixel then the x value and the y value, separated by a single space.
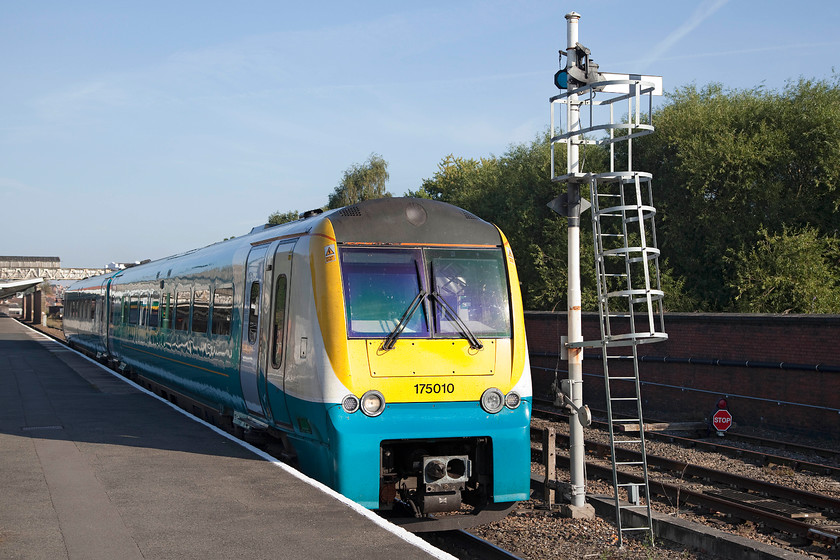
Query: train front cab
pixel 429 342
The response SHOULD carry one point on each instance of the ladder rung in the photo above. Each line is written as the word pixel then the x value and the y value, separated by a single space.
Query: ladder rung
pixel 628 484
pixel 628 441
pixel 634 528
pixel 621 378
pixel 626 420
pixel 627 463
pixel 623 399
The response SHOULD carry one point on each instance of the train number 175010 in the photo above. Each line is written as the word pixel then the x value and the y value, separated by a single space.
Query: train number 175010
pixel 434 388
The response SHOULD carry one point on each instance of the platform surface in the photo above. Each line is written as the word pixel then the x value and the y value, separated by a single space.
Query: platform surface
pixel 92 467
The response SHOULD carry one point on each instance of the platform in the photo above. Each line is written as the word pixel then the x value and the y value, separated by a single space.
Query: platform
pixel 95 467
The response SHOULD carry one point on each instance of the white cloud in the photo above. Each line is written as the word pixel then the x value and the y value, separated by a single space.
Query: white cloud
pixel 705 10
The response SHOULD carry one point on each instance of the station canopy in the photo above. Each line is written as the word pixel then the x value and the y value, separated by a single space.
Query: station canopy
pixel 10 289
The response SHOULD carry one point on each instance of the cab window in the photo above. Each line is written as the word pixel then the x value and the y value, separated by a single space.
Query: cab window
pixel 380 285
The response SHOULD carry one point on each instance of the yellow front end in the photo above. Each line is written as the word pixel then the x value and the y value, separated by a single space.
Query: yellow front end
pixel 431 377
pixel 415 369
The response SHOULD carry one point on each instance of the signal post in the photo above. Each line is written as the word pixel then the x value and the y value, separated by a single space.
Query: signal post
pixel 616 291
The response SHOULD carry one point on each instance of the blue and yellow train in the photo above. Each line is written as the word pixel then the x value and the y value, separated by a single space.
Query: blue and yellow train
pixel 382 343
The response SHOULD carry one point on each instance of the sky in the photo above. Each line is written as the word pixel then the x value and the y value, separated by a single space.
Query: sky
pixel 135 130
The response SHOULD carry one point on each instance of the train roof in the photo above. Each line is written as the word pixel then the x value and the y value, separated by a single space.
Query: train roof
pixel 383 221
pixel 411 221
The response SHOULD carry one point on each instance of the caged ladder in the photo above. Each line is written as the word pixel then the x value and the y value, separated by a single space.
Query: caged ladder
pixel 630 298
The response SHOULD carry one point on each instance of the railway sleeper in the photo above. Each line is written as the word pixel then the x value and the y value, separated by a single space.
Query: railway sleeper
pixel 763 503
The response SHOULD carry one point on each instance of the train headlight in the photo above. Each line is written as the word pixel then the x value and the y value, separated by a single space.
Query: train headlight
pixel 350 404
pixel 492 400
pixel 512 399
pixel 373 403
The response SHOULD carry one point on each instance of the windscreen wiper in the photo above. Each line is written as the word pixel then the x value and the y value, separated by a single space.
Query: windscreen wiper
pixel 392 337
pixel 465 330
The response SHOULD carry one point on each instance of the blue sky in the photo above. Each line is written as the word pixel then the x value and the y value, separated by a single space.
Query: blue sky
pixel 133 130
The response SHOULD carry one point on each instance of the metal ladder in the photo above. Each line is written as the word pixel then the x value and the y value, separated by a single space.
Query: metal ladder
pixel 626 266
pixel 631 313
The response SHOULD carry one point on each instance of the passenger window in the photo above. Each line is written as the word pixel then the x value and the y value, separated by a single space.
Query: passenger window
pixel 144 310
pixel 133 310
pixel 116 310
pixel 201 311
pixel 279 328
pixel 154 310
pixel 165 311
pixel 222 311
pixel 182 310
pixel 253 312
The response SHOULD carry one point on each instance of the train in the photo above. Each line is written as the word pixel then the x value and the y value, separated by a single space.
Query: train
pixel 381 346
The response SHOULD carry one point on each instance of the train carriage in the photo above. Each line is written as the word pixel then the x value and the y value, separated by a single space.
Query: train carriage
pixel 383 343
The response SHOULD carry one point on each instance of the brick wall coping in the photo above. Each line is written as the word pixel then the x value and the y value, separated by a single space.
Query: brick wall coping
pixel 737 318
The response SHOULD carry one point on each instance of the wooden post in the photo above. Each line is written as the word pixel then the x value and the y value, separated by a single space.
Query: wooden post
pixel 550 461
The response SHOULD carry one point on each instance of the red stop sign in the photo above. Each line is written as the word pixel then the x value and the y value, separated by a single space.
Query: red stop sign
pixel 722 420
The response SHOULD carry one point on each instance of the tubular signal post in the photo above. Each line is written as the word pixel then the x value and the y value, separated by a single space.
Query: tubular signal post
pixel 578 507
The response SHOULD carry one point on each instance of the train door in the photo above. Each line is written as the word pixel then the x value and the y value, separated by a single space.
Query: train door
pixel 278 336
pixel 107 302
pixel 249 361
pixel 102 316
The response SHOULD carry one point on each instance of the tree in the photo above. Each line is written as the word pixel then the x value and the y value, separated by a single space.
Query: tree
pixel 731 164
pixel 361 182
pixel 277 218
pixel 792 272
pixel 512 191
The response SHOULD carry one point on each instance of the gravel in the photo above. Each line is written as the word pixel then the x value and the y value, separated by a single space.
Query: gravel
pixel 533 532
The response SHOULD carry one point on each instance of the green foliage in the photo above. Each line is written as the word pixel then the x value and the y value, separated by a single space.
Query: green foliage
pixel 361 182
pixel 512 192
pixel 745 185
pixel 792 272
pixel 741 177
pixel 277 218
pixel 728 165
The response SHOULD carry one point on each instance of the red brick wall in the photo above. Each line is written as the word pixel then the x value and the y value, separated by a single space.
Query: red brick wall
pixel 783 398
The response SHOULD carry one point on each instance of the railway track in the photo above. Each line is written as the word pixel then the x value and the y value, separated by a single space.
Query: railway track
pixel 827 454
pixel 795 512
pixel 738 498
pixel 466 546
pixel 741 453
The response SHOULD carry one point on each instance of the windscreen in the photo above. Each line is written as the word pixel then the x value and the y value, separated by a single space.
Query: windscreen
pixel 464 290
pixel 472 283
pixel 379 287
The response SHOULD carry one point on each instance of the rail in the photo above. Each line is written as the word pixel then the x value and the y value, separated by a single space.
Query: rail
pixel 753 507
pixel 462 544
